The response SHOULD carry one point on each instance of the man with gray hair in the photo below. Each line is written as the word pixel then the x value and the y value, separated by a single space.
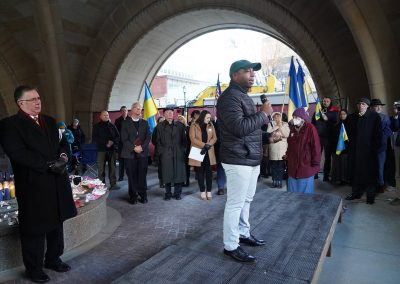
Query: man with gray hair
pixel 364 130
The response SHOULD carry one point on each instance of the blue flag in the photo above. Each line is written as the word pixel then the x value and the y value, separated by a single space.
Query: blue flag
pixel 301 81
pixel 342 137
pixel 292 90
pixel 149 108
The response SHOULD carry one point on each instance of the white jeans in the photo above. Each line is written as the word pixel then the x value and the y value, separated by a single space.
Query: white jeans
pixel 241 187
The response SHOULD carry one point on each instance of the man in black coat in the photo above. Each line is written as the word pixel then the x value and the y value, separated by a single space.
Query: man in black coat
pixel 240 154
pixel 43 191
pixel 325 127
pixel 364 130
pixel 135 137
pixel 106 137
pixel 171 146
pixel 118 123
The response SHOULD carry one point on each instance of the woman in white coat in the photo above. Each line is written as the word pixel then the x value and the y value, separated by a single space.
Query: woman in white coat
pixel 277 147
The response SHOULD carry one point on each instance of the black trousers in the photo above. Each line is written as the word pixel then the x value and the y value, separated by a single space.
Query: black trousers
pixel 277 169
pixel 327 147
pixel 32 247
pixel 121 170
pixel 187 171
pixel 204 171
pixel 136 170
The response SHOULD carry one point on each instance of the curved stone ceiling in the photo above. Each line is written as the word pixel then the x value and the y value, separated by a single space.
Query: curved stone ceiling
pixel 151 35
pixel 150 53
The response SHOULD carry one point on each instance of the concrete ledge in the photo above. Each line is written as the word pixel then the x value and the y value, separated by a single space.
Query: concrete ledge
pixel 90 222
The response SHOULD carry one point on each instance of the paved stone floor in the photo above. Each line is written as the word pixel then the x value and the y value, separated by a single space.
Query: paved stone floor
pixel 148 228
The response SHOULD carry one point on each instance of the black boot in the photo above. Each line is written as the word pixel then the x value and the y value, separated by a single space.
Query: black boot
pixel 370 198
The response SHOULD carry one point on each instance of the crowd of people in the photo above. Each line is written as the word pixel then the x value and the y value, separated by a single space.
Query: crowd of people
pixel 235 145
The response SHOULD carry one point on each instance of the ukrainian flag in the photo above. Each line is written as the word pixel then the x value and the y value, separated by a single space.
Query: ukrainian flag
pixel 292 90
pixel 149 108
pixel 317 110
pixel 342 137
pixel 304 88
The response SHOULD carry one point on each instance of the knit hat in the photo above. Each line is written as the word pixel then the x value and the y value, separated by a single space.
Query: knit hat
pixel 300 112
pixel 364 100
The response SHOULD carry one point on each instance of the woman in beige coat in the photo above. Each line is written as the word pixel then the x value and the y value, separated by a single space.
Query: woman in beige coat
pixel 277 148
pixel 202 135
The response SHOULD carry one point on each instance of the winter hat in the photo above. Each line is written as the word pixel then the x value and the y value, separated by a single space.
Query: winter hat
pixel 300 112
pixel 62 124
pixel 364 100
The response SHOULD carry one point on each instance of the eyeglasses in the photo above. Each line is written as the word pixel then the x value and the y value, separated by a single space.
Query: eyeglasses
pixel 31 100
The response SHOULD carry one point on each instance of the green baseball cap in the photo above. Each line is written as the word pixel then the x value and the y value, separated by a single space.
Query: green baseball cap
pixel 243 64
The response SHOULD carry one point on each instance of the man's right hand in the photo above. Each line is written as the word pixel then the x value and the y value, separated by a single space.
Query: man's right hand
pixel 267 108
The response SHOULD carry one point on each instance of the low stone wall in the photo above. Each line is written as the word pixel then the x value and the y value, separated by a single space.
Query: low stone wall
pixel 89 221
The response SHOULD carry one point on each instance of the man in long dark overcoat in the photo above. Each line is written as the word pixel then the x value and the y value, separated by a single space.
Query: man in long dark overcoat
pixel 171 145
pixel 43 191
pixel 135 137
pixel 364 130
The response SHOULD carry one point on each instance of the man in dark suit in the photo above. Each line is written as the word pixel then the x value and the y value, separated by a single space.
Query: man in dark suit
pixel 118 123
pixel 43 191
pixel 135 136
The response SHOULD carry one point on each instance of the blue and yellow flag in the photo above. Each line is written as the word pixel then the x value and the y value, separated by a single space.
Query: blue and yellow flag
pixel 292 90
pixel 303 87
pixel 342 137
pixel 149 108
pixel 317 114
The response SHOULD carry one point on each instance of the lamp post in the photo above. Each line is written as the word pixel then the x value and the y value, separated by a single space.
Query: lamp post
pixel 184 100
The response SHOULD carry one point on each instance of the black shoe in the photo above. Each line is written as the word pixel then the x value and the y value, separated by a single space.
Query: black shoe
pixel 240 255
pixel 370 198
pixel 143 200
pixel 316 176
pixel 326 179
pixel 37 277
pixel 252 241
pixel 121 179
pixel 167 198
pixel 186 184
pixel 220 191
pixel 178 197
pixel 59 267
pixel 274 184
pixel 280 184
pixel 132 200
pixel 352 196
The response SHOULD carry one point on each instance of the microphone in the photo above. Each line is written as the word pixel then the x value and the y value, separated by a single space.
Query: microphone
pixel 264 99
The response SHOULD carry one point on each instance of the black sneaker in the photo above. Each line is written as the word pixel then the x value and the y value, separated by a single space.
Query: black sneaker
pixel 240 255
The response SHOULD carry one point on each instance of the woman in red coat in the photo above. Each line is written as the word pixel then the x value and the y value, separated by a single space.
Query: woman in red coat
pixel 303 154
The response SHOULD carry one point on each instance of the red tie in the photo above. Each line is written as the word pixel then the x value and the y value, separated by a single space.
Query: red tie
pixel 36 119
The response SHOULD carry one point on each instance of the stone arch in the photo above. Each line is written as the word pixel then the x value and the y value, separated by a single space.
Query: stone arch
pixel 130 36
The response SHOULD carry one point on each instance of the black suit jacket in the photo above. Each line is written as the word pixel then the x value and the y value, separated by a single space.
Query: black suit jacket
pixel 130 135
pixel 44 199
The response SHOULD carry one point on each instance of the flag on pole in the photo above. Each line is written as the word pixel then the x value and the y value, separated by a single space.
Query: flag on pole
pixel 218 91
pixel 292 90
pixel 149 108
pixel 303 88
pixel 318 113
pixel 342 137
